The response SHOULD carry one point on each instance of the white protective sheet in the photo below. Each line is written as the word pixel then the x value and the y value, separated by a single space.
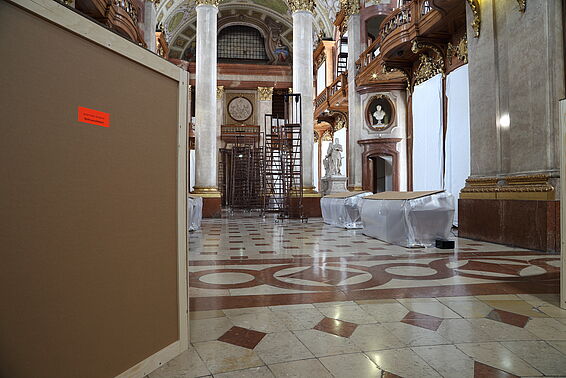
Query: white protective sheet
pixel 457 157
pixel 427 135
pixel 409 223
pixel 342 212
pixel 194 205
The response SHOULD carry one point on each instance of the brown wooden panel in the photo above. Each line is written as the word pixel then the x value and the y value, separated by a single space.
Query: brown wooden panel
pixel 88 276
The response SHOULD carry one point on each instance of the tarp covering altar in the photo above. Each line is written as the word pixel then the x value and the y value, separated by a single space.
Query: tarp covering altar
pixel 343 209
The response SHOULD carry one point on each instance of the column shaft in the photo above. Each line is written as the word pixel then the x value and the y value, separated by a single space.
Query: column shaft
pixel 205 100
pixel 355 111
pixel 303 83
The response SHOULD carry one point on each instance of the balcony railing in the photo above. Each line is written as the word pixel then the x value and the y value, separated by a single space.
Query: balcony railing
pixel 368 56
pixel 397 18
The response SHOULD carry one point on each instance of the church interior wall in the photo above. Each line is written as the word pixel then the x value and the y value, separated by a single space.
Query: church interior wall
pixel 398 129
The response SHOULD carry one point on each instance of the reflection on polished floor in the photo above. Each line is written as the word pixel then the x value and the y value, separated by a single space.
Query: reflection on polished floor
pixel 298 299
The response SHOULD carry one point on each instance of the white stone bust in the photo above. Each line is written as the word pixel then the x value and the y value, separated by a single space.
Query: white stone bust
pixel 379 115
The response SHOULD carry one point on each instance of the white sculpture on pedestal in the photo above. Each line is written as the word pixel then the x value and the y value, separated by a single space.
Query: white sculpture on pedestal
pixel 333 159
pixel 333 180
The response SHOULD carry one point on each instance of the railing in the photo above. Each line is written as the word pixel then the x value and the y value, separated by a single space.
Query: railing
pixel 368 56
pixel 399 17
pixel 341 82
pixel 321 98
pixel 234 130
pixel 129 7
pixel 410 13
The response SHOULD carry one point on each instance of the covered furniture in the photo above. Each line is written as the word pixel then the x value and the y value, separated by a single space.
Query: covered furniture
pixel 342 209
pixel 408 219
pixel 194 205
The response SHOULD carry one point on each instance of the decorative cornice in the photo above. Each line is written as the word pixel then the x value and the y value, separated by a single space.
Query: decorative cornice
pixel 476 23
pixel 459 50
pixel 219 92
pixel 207 2
pixel 522 5
pixel 301 5
pixel 528 187
pixel 265 93
pixel 350 7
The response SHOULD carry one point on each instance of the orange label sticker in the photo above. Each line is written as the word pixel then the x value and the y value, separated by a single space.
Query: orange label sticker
pixel 94 117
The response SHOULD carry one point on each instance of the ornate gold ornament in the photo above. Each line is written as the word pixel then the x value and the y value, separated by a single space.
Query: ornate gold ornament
pixel 315 136
pixel 320 60
pixel 428 66
pixel 522 5
pixel 207 2
pixel 301 5
pixel 340 124
pixel 265 93
pixel 219 92
pixel 476 23
pixel 350 7
pixel 327 136
pixel 460 51
pixel 387 71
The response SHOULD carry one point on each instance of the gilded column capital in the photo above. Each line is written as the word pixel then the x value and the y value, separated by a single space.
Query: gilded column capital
pixel 350 7
pixel 214 3
pixel 219 92
pixel 265 93
pixel 522 5
pixel 301 5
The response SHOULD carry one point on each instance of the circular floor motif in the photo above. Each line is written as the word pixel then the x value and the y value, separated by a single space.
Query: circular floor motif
pixel 410 271
pixel 226 278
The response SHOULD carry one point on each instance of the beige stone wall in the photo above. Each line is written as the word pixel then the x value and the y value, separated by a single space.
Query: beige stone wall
pixel 516 67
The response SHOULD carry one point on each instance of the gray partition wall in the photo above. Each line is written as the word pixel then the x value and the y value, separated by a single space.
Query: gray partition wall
pixel 91 234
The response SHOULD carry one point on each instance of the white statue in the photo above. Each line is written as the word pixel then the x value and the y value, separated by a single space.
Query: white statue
pixel 379 115
pixel 333 159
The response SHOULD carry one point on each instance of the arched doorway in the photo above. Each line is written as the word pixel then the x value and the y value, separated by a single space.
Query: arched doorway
pixel 380 166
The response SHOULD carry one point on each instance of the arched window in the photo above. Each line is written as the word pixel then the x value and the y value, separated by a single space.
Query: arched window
pixel 242 43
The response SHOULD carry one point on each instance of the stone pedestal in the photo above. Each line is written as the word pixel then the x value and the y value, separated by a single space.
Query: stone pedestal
pixel 334 184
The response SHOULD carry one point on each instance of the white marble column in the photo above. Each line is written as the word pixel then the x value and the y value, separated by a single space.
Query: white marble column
pixel 206 127
pixel 265 98
pixel 303 80
pixel 149 25
pixel 355 110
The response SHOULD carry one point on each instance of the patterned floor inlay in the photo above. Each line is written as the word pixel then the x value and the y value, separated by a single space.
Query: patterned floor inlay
pixel 239 336
pixel 507 317
pixel 485 371
pixel 312 300
pixel 422 320
pixel 336 327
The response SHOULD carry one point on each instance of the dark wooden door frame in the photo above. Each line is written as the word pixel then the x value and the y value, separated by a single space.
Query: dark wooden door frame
pixel 379 147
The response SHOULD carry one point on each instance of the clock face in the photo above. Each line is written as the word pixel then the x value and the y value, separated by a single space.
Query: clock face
pixel 240 109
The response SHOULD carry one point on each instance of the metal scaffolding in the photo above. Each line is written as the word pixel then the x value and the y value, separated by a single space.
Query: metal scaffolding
pixel 283 162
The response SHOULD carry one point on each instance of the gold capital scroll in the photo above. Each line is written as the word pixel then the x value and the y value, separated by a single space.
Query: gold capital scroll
pixel 301 5
pixel 522 5
pixel 350 7
pixel 476 23
pixel 207 2
pixel 219 92
pixel 265 93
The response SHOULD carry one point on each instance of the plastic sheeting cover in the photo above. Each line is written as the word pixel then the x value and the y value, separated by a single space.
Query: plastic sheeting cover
pixel 342 212
pixel 409 223
pixel 194 205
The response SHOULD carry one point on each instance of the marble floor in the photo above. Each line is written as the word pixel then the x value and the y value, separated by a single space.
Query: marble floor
pixel 292 299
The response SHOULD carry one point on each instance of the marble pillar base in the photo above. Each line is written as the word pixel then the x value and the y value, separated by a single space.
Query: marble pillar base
pixel 334 184
pixel 211 201
pixel 526 224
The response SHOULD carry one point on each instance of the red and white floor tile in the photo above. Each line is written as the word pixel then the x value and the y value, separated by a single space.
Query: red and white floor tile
pixel 291 299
